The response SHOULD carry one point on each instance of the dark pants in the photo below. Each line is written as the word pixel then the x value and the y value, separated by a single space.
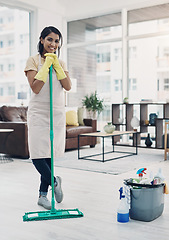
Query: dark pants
pixel 44 168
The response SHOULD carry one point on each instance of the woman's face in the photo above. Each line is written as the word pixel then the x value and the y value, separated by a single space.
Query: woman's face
pixel 50 43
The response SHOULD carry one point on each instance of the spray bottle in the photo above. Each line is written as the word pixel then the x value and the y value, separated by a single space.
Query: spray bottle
pixel 123 209
pixel 140 173
pixel 158 178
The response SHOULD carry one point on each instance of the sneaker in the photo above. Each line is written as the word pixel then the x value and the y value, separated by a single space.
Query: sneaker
pixel 58 190
pixel 44 202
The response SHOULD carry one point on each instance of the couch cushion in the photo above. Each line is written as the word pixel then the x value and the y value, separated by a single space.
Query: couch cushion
pixel 73 131
pixel 71 118
pixel 80 113
pixel 14 114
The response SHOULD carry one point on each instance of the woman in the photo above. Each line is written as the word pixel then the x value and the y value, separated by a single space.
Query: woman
pixel 37 72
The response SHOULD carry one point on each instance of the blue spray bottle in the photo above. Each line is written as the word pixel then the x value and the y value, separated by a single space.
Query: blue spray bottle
pixel 123 209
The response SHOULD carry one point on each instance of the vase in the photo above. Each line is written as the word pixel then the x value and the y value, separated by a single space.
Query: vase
pixel 135 123
pixel 91 114
pixel 148 141
pixel 152 119
pixel 109 128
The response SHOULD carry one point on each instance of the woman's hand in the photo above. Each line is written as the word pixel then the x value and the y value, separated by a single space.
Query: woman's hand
pixel 43 72
pixel 61 75
pixel 56 65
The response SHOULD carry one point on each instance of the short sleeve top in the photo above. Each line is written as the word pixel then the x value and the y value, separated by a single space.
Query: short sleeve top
pixel 33 63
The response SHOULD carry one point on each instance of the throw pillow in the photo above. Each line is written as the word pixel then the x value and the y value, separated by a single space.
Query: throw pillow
pixel 80 113
pixel 71 118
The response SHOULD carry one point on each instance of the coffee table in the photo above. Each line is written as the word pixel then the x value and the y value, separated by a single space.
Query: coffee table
pixel 106 135
pixel 6 132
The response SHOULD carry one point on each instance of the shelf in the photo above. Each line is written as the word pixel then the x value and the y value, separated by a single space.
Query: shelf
pixel 128 112
pixel 144 125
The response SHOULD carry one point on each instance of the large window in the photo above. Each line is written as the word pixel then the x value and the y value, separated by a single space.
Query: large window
pixel 14 51
pixel 95 60
pixel 149 53
pixel 138 71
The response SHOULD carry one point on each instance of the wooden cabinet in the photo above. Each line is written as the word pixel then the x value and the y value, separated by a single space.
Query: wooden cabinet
pixel 126 112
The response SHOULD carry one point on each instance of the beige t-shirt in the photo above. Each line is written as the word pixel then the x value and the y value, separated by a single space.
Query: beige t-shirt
pixel 33 62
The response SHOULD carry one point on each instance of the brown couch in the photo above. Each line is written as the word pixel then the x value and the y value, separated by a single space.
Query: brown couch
pixel 16 144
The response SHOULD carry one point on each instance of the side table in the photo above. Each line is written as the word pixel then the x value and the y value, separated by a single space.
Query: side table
pixel 4 158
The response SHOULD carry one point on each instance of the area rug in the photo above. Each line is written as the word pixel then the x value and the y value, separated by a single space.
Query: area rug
pixel 145 158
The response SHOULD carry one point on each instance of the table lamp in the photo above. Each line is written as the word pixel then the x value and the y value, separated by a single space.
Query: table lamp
pixel 22 96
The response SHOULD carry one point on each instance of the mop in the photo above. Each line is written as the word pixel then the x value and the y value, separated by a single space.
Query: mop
pixel 53 213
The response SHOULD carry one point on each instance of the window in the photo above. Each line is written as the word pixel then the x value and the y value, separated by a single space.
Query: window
pixel 93 64
pixel 117 54
pixel 133 84
pixel 132 52
pixel 11 67
pixel 148 53
pixel 103 57
pixel 1 68
pixel 12 63
pixel 148 20
pixel 147 56
pixel 11 43
pixel 166 52
pixel 10 19
pixel 117 85
pixel 1 91
pixel 11 91
pixel 104 84
pixel 106 57
pixel 21 38
pixel 166 84
pixel 158 85
pixel 1 44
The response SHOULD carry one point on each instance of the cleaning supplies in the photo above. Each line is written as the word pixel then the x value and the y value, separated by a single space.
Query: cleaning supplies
pixel 148 180
pixel 140 173
pixel 158 177
pixel 123 209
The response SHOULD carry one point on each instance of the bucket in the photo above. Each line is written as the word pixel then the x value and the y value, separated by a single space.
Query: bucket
pixel 147 201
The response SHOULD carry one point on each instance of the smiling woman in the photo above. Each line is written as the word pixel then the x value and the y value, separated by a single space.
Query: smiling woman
pixel 37 72
pixel 52 38
pixel 50 43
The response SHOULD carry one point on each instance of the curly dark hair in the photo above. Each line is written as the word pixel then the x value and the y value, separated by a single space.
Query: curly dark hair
pixel 45 32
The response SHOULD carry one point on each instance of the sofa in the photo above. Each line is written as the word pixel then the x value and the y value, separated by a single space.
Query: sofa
pixel 16 144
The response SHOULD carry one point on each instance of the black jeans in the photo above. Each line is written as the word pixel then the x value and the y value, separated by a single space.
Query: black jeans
pixel 44 168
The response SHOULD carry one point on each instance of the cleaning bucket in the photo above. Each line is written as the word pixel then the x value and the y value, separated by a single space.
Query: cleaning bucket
pixel 147 201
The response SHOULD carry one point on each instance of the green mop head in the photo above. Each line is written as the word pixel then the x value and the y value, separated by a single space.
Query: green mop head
pixel 49 215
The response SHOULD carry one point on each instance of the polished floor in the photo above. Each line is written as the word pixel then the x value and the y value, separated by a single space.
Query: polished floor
pixel 95 194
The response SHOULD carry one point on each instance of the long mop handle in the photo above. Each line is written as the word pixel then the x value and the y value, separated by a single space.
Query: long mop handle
pixel 51 138
pixel 53 213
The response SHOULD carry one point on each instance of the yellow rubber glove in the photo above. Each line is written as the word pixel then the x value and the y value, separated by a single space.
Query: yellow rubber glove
pixel 43 72
pixel 56 65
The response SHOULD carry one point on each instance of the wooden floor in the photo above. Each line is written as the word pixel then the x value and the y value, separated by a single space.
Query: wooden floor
pixel 95 194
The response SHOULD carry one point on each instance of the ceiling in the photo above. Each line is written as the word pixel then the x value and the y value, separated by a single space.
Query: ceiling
pixel 138 15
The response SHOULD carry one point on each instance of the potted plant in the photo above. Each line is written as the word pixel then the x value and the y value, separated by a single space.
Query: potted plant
pixel 93 104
